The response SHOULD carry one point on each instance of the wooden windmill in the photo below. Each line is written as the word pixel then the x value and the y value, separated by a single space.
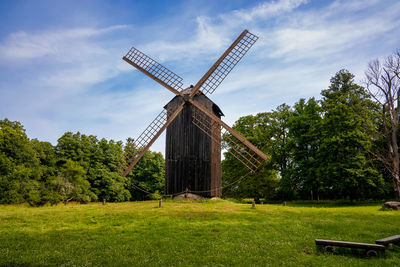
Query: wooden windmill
pixel 194 127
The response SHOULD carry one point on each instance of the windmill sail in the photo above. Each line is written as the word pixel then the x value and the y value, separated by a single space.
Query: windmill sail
pixel 223 66
pixel 150 135
pixel 204 119
pixel 154 70
pixel 232 141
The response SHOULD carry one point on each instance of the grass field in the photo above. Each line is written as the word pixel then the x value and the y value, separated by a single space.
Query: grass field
pixel 209 233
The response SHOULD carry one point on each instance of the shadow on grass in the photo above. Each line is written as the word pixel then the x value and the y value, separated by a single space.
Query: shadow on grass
pixel 350 252
pixel 315 203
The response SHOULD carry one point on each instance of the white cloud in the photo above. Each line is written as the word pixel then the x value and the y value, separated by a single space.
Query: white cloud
pixel 60 43
pixel 353 5
pixel 214 35
pixel 265 10
pixel 314 33
pixel 65 78
pixel 314 36
pixel 206 39
pixel 64 62
pixel 54 73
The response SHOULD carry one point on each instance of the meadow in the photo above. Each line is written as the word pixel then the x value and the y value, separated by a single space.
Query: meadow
pixel 188 233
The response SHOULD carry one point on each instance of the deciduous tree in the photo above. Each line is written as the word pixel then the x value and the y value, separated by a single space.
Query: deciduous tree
pixel 346 127
pixel 383 84
pixel 305 139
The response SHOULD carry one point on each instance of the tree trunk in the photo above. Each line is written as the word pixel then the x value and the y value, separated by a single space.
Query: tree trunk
pixel 395 155
pixel 66 201
pixel 386 82
pixel 396 185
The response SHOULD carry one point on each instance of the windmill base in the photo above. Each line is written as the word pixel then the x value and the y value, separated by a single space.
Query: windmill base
pixel 187 196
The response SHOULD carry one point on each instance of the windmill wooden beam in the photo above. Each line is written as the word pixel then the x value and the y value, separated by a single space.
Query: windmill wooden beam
pixel 193 124
pixel 151 140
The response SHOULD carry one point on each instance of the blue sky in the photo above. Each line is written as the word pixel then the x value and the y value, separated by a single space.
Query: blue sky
pixel 61 68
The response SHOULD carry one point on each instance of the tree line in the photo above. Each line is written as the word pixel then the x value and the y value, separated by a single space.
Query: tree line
pixel 344 145
pixel 79 167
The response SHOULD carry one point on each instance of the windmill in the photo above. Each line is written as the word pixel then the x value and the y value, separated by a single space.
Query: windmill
pixel 194 127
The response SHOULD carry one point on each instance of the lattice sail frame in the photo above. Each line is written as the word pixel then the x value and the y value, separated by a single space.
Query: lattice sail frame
pixel 210 81
pixel 234 146
pixel 148 134
pixel 228 63
pixel 154 68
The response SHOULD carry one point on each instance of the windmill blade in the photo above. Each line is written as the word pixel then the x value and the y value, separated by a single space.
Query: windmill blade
pixel 235 144
pixel 154 70
pixel 221 68
pixel 150 135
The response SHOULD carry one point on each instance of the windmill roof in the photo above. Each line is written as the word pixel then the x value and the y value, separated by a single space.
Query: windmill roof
pixel 215 108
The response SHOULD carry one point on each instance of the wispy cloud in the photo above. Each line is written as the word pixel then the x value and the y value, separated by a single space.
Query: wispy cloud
pixel 55 73
pixel 65 45
pixel 353 5
pixel 316 34
pixel 264 11
pixel 54 80
pixel 287 34
pixel 69 59
pixel 214 34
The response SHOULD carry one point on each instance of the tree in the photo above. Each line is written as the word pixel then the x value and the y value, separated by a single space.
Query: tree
pixel 104 173
pixel 239 183
pixel 148 174
pixel 77 147
pixel 383 84
pixel 263 183
pixel 346 138
pixel 19 165
pixel 48 172
pixel 107 184
pixel 71 183
pixel 102 162
pixel 279 138
pixel 305 138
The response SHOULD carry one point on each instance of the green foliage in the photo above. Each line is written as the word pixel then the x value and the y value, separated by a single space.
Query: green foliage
pixel 263 183
pixel 102 161
pixel 74 183
pixel 280 141
pixel 19 165
pixel 148 174
pixel 320 149
pixel 80 168
pixel 346 128
pixel 304 134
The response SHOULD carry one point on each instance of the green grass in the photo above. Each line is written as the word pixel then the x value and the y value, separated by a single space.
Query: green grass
pixel 209 233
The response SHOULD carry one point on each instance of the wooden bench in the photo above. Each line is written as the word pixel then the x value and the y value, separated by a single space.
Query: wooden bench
pixel 371 250
pixel 388 241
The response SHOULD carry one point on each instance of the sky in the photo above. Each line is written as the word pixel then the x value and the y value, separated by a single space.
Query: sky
pixel 61 66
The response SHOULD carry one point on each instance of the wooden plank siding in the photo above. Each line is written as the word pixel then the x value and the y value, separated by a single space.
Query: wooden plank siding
pixel 192 158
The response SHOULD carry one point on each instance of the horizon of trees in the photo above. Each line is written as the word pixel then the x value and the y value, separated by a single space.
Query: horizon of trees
pixel 319 149
pixel 343 146
pixel 79 167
